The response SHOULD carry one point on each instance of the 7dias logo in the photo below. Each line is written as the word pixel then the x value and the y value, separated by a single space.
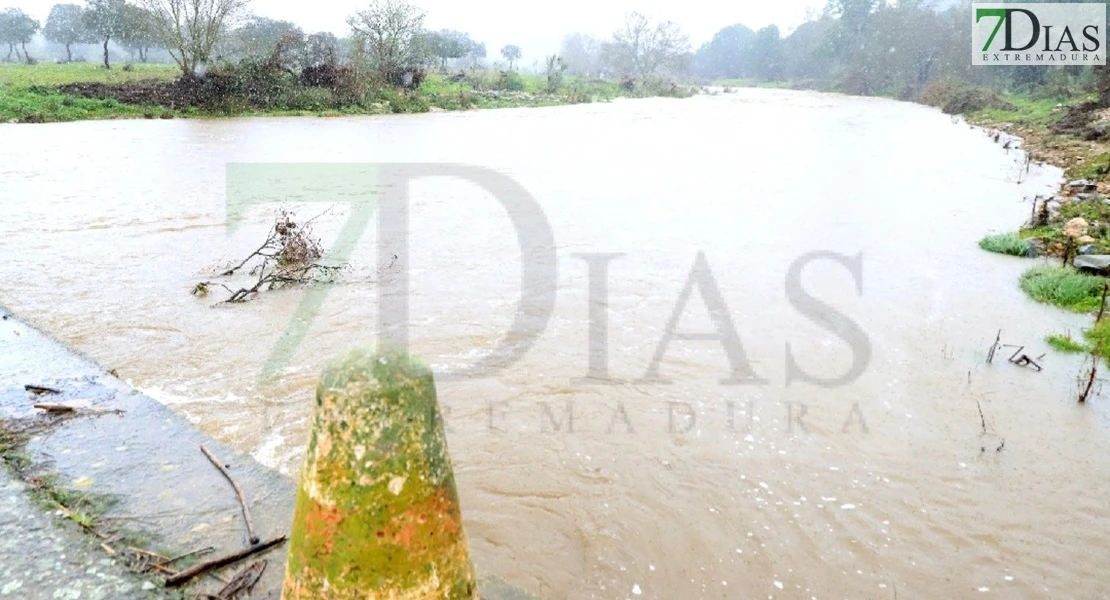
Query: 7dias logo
pixel 1038 34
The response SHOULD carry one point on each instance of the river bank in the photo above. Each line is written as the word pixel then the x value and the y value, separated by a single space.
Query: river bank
pixel 74 92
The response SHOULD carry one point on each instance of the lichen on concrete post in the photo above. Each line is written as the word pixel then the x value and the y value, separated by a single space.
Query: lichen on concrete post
pixel 377 510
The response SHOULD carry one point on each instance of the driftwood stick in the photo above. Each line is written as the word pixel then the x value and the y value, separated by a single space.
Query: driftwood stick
pixel 216 563
pixel 55 408
pixel 238 493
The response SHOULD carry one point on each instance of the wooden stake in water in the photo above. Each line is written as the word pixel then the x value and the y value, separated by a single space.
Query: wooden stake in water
pixel 377 510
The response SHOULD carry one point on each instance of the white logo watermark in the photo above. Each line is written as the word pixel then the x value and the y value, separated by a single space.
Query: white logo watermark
pixel 1038 34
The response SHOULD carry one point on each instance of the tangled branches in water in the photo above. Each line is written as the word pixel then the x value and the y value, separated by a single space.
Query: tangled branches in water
pixel 290 256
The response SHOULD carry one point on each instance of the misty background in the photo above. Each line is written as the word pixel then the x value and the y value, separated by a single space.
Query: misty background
pixel 539 32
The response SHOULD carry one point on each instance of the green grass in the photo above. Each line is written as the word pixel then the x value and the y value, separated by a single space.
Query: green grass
pixel 1098 337
pixel 23 97
pixel 1005 243
pixel 1063 342
pixel 1094 168
pixel 25 76
pixel 1064 287
pixel 1027 111
pixel 36 106
pixel 27 95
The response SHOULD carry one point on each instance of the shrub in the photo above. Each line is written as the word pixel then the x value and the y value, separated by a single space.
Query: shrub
pixel 956 98
pixel 510 81
pixel 404 101
pixel 1005 243
pixel 326 75
pixel 308 98
pixel 1064 287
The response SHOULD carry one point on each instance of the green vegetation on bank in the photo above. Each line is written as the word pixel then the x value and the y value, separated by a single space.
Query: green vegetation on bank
pixel 1065 287
pixel 49 93
pixel 1063 342
pixel 27 94
pixel 1005 243
pixel 1096 340
pixel 240 64
pixel 1025 111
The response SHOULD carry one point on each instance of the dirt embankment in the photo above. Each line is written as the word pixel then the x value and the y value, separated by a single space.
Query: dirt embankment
pixel 180 93
pixel 1078 140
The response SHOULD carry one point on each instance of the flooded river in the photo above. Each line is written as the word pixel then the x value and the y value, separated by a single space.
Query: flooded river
pixel 927 474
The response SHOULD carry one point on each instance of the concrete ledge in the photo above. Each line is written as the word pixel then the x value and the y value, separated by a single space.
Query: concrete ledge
pixel 148 458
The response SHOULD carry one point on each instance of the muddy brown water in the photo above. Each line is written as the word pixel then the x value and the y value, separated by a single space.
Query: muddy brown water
pixel 880 488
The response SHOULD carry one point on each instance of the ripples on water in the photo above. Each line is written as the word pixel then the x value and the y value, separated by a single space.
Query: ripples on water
pixel 881 487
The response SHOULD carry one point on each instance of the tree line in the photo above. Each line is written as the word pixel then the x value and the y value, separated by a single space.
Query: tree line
pixel 857 46
pixel 892 47
pixel 388 33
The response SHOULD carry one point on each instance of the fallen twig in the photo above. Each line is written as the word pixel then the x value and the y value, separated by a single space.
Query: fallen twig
pixel 982 419
pixel 66 409
pixel 216 563
pixel 238 493
pixel 55 408
pixel 40 390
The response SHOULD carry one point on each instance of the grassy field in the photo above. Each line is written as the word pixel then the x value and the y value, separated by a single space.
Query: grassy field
pixel 25 76
pixel 25 93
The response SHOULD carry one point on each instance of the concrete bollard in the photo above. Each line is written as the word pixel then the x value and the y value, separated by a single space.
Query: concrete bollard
pixel 377 511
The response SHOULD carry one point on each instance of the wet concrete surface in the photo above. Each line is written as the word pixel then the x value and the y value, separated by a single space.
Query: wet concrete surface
pixel 123 444
pixel 42 558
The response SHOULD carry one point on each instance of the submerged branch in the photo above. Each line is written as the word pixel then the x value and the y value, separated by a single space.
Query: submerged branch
pixel 289 256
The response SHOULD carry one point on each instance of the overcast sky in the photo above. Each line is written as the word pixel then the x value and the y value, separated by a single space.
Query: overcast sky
pixel 537 27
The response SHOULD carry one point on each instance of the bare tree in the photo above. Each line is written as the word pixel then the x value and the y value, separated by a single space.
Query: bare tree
pixel 389 32
pixel 642 48
pixel 190 29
